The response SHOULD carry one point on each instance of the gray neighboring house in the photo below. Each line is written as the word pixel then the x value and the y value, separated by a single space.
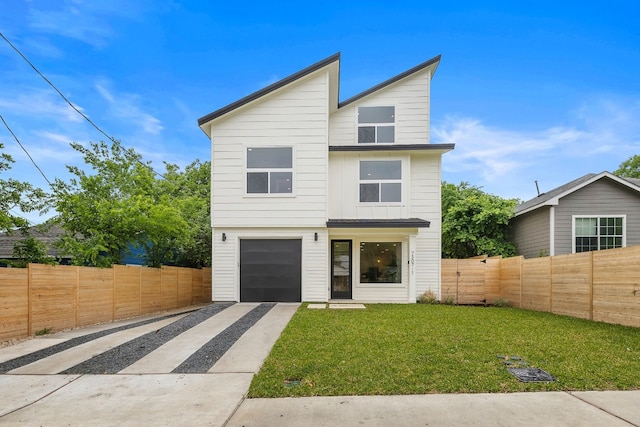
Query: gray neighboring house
pixel 46 235
pixel 593 212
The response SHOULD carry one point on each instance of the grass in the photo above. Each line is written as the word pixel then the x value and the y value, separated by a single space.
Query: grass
pixel 417 349
pixel 44 331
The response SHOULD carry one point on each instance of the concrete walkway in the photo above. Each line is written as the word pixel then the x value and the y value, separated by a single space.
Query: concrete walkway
pixel 146 393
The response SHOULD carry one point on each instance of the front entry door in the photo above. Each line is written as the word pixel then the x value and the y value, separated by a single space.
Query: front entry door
pixel 341 269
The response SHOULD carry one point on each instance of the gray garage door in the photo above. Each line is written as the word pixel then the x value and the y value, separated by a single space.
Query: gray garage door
pixel 270 270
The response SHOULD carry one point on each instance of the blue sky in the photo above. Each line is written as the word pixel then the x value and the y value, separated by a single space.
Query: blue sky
pixel 545 91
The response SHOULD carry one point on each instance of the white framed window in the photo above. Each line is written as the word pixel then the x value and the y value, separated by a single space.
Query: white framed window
pixel 381 181
pixel 269 170
pixel 593 233
pixel 381 262
pixel 376 125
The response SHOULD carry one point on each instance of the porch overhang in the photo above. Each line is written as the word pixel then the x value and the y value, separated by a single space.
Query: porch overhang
pixel 378 223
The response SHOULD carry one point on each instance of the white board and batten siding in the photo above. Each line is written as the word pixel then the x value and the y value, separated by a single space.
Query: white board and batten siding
pixel 410 96
pixel 344 187
pixel 226 261
pixel 296 117
pixel 425 203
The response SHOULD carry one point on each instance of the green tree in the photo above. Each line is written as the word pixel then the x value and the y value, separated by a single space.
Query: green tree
pixel 192 189
pixel 30 250
pixel 474 222
pixel 124 205
pixel 630 168
pixel 16 195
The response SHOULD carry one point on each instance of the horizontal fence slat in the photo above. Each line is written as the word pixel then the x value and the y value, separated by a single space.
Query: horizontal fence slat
pixel 53 298
pixel 600 285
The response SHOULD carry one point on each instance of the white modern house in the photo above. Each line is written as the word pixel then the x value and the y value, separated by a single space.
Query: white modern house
pixel 316 199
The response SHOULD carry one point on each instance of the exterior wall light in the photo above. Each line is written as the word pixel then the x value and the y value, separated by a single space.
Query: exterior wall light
pixel 224 237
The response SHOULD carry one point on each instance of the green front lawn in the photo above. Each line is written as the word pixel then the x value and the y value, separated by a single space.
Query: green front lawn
pixel 415 349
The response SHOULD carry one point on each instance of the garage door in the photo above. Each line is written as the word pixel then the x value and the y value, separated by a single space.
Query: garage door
pixel 270 270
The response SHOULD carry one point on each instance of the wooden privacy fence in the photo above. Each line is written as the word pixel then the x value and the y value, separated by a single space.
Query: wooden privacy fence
pixel 600 285
pixel 62 297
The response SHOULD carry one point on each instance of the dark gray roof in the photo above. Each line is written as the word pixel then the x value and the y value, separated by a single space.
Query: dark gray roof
pixel 378 223
pixel 41 233
pixel 548 197
pixel 634 181
pixel 433 61
pixel 271 88
pixel 393 147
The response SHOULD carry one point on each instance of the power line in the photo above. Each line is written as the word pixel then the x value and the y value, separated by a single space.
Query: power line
pixel 25 150
pixel 31 223
pixel 110 138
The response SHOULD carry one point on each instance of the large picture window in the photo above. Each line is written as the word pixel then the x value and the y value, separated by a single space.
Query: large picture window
pixel 270 170
pixel 597 233
pixel 380 262
pixel 381 181
pixel 376 125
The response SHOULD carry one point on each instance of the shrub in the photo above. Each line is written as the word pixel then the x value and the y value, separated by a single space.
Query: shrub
pixel 501 302
pixel 428 297
pixel 449 300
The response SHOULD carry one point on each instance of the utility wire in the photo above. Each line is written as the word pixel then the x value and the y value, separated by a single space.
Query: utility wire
pixel 110 138
pixel 25 150
pixel 31 223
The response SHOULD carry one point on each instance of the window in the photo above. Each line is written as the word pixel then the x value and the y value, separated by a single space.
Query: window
pixel 269 170
pixel 596 233
pixel 380 262
pixel 381 181
pixel 376 124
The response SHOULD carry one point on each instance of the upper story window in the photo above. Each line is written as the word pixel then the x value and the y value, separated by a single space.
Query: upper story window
pixel 381 181
pixel 596 233
pixel 376 124
pixel 270 170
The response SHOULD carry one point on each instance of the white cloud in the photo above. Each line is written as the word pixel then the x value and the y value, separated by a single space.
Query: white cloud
pixel 35 103
pixel 85 21
pixel 127 106
pixel 598 136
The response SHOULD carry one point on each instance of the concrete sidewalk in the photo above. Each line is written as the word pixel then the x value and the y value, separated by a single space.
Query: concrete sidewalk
pixel 144 395
pixel 609 408
pixel 219 400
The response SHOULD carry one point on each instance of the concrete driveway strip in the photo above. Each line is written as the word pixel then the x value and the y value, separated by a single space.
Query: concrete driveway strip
pixel 513 409
pixel 248 353
pixel 66 359
pixel 171 354
pixel 19 391
pixel 138 400
pixel 26 347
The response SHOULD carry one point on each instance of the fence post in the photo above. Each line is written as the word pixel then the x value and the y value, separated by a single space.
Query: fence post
pixel 30 311
pixel 550 284
pixel 113 293
pixel 591 286
pixel 520 279
pixel 77 294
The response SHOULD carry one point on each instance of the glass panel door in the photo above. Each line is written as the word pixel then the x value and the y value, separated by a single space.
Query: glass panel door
pixel 341 269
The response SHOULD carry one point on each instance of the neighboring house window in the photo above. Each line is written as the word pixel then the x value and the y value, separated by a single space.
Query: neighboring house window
pixel 380 262
pixel 376 124
pixel 596 233
pixel 270 170
pixel 381 181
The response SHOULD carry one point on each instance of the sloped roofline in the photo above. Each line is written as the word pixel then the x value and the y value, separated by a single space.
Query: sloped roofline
pixel 306 71
pixel 552 198
pixel 267 90
pixel 435 60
